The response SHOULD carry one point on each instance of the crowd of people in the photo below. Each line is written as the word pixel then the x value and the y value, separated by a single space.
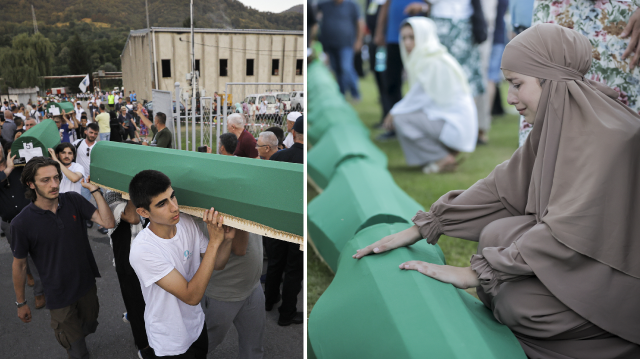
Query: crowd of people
pixel 168 297
pixel 471 36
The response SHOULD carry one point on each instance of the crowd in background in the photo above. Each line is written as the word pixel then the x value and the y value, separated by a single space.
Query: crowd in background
pixel 474 34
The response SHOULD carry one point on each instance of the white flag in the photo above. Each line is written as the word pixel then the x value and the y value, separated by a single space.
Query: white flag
pixel 83 85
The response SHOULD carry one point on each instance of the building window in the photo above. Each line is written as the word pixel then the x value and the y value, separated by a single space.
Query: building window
pixel 298 67
pixel 198 66
pixel 223 67
pixel 275 67
pixel 166 68
pixel 249 67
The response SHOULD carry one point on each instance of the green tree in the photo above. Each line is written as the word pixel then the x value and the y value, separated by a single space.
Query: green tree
pixel 26 61
pixel 187 22
pixel 79 63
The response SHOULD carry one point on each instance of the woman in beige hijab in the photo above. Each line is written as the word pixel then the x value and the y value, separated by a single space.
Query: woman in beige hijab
pixel 557 224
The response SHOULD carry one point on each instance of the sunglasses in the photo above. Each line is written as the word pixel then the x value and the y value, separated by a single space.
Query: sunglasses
pixel 88 152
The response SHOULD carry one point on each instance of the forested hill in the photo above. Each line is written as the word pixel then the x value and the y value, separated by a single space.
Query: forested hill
pixel 82 36
pixel 131 13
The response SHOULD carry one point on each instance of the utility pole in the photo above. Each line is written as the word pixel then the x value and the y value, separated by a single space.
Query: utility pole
pixel 146 5
pixel 194 77
pixel 35 23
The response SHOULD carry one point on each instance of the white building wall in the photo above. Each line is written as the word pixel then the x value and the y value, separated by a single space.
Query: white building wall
pixel 210 47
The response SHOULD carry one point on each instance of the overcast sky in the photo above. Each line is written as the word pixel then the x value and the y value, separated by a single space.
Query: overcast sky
pixel 272 5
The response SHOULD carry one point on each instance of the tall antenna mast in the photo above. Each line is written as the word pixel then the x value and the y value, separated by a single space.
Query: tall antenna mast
pixel 35 23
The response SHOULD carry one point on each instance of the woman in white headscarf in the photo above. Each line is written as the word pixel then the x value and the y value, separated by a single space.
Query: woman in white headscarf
pixel 437 118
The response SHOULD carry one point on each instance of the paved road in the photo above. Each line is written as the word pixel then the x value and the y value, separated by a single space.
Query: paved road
pixel 113 338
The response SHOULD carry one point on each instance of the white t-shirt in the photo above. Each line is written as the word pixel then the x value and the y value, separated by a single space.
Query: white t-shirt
pixel 172 325
pixel 66 185
pixel 288 141
pixel 79 113
pixel 81 156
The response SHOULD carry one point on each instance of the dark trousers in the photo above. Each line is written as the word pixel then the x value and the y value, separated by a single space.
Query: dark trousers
pixel 379 77
pixel 197 350
pixel 284 258
pixel 393 77
pixel 73 323
pixel 129 283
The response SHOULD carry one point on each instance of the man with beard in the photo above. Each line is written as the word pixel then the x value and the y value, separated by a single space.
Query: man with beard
pixel 72 172
pixel 60 248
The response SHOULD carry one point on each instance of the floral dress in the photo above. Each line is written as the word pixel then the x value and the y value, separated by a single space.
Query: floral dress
pixel 457 37
pixel 602 22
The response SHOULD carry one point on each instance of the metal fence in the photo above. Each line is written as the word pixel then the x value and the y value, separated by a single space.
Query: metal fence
pixel 194 120
pixel 259 116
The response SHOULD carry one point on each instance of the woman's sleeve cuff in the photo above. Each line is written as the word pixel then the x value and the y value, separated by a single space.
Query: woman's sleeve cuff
pixel 488 280
pixel 428 225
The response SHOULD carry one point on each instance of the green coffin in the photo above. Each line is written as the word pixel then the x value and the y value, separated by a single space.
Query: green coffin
pixel 264 195
pixel 318 127
pixel 360 195
pixel 44 135
pixel 320 79
pixel 337 145
pixel 372 309
pixel 66 106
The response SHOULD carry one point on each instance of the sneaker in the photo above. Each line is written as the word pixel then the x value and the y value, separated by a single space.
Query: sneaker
pixel 386 136
pixel 297 319
pixel 125 318
pixel 89 224
pixel 103 230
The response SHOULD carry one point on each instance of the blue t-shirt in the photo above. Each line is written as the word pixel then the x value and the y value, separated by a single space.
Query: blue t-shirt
pixel 339 25
pixel 59 247
pixel 395 17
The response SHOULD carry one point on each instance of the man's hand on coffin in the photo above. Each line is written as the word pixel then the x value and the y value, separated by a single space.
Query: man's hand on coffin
pixel 88 185
pixel 401 239
pixel 462 278
pixel 52 153
pixel 214 220
pixel 8 166
pixel 229 232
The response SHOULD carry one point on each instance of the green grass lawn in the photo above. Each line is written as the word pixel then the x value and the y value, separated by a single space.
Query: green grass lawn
pixel 425 189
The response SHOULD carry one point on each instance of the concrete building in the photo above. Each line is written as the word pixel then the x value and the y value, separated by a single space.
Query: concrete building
pixel 159 57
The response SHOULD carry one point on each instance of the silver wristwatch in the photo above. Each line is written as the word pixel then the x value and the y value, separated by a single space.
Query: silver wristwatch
pixel 21 304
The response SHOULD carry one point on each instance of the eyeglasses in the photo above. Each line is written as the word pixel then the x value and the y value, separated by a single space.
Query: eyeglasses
pixel 258 146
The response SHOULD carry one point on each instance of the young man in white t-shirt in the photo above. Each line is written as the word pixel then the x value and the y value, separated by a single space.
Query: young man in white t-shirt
pixel 72 172
pixel 173 277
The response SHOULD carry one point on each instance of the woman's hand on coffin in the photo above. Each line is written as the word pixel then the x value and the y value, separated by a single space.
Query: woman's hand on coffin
pixel 632 30
pixel 462 278
pixel 388 122
pixel 214 225
pixel 88 185
pixel 401 239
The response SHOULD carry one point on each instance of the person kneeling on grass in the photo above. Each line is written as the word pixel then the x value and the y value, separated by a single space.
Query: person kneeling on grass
pixel 437 118
pixel 173 278
pixel 557 223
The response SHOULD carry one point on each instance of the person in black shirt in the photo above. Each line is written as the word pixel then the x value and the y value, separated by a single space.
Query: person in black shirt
pixel 286 257
pixel 61 251
pixel 12 201
pixel 295 154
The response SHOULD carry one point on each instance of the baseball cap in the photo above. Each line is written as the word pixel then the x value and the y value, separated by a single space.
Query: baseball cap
pixel 299 125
